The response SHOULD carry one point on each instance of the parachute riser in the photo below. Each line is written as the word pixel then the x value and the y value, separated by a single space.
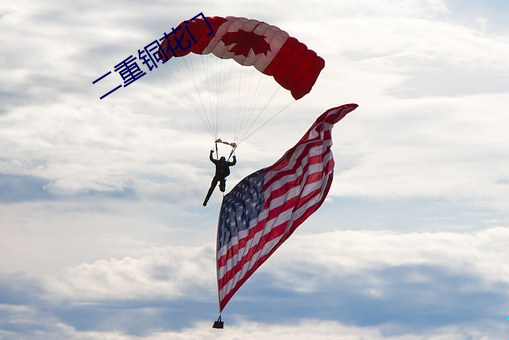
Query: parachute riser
pixel 231 153
pixel 233 145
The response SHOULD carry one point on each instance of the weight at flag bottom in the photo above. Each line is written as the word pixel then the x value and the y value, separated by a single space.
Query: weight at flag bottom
pixel 265 208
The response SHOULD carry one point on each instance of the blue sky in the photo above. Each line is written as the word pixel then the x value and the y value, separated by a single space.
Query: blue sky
pixel 102 232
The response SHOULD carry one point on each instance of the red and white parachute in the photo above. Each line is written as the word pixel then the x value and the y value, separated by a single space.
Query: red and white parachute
pixel 240 99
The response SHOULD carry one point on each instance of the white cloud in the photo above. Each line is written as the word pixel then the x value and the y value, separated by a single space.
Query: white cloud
pixel 307 329
pixel 339 253
pixel 162 273
pixel 308 263
pixel 317 329
pixel 400 146
pixel 44 237
pixel 445 147
pixel 436 274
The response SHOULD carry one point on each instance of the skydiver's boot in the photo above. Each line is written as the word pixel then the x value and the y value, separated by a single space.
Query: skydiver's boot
pixel 209 193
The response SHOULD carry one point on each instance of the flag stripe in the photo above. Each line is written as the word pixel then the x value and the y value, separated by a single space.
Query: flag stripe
pixel 267 237
pixel 275 231
pixel 241 243
pixel 229 290
pixel 314 166
pixel 293 161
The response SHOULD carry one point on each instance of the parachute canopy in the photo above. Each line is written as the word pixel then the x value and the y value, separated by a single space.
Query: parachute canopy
pixel 221 92
pixel 254 43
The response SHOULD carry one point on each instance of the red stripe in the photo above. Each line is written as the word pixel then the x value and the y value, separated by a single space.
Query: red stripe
pixel 303 200
pixel 241 281
pixel 273 213
pixel 314 159
pixel 314 207
pixel 278 210
pixel 275 232
pixel 226 298
pixel 295 203
pixel 298 182
pixel 297 162
pixel 298 221
pixel 260 226
pixel 246 258
pixel 241 243
pixel 324 134
pixel 285 159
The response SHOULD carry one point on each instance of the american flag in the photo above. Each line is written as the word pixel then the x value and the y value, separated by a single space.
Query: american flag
pixel 266 207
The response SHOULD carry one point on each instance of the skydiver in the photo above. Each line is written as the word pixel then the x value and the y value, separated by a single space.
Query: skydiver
pixel 222 171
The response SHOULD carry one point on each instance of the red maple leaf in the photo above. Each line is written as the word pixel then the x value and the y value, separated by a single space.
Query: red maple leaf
pixel 246 41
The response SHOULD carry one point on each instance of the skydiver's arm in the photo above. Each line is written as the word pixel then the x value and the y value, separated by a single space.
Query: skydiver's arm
pixel 234 161
pixel 210 156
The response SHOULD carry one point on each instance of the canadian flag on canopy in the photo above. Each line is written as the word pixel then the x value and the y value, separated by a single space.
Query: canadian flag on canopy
pixel 253 43
pixel 266 207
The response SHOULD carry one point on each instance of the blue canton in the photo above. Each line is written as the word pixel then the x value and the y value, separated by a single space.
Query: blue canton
pixel 239 207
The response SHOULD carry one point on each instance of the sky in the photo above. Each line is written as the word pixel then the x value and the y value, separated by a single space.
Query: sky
pixel 102 231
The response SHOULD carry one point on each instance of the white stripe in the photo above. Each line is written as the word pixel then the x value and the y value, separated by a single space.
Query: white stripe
pixel 234 240
pixel 288 215
pixel 279 219
pixel 247 266
pixel 298 167
pixel 266 248
pixel 315 168
pixel 242 252
pixel 324 144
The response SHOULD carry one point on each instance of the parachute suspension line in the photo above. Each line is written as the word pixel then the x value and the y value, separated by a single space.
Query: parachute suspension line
pixel 249 129
pixel 221 80
pixel 250 86
pixel 193 74
pixel 227 88
pixel 224 69
pixel 249 115
pixel 244 113
pixel 239 110
pixel 213 90
pixel 213 86
pixel 189 99
pixel 205 66
pixel 216 71
pixel 193 97
pixel 268 121
pixel 249 134
pixel 249 102
pixel 260 112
